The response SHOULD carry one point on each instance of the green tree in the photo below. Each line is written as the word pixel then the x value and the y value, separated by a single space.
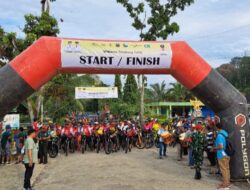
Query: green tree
pixel 60 96
pixel 237 72
pixel 130 90
pixel 38 26
pixel 35 27
pixel 159 91
pixel 10 46
pixel 118 84
pixel 178 93
pixel 157 24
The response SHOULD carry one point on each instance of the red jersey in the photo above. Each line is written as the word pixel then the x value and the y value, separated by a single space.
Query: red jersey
pixel 66 131
pixel 75 131
pixel 35 126
pixel 86 130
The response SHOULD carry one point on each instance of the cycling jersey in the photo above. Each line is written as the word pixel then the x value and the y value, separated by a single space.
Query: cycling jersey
pixel 86 130
pixel 100 130
pixel 66 131
pixel 74 131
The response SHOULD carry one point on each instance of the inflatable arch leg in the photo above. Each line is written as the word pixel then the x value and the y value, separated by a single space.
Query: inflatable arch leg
pixel 42 61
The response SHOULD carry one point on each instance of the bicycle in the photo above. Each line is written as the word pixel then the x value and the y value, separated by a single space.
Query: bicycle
pixel 83 144
pixel 53 147
pixel 108 143
pixel 140 140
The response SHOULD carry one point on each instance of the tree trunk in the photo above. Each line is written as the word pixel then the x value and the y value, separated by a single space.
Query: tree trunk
pixel 48 6
pixel 39 101
pixel 34 106
pixel 30 109
pixel 43 5
pixel 142 100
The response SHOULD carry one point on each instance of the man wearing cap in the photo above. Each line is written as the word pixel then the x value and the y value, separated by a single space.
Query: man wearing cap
pixel 30 158
pixel 6 144
pixel 198 143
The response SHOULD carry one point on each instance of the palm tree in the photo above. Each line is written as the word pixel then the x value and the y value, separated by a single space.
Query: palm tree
pixel 178 93
pixel 159 91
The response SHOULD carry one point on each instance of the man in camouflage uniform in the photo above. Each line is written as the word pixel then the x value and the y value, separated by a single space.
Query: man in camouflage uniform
pixel 198 144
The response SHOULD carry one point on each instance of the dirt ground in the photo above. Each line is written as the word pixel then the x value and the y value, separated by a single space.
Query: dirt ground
pixel 137 170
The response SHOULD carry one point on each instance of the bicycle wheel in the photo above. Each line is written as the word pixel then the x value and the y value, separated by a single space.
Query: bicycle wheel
pixel 92 144
pixel 83 144
pixel 53 151
pixel 108 147
pixel 117 146
pixel 149 142
pixel 140 142
pixel 127 145
pixel 98 145
pixel 66 148
pixel 72 146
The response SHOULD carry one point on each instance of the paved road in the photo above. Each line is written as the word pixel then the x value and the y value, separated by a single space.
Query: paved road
pixel 137 170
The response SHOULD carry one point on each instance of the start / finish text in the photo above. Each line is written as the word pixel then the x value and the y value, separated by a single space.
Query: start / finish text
pixel 108 60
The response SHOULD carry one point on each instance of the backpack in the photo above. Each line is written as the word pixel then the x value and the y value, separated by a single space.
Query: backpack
pixel 229 147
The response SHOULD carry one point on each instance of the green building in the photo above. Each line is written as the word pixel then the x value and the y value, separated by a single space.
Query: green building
pixel 170 109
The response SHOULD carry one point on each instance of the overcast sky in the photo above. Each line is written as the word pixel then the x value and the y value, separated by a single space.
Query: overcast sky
pixel 217 29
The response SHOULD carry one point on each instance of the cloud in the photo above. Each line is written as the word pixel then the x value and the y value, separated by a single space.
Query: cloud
pixel 217 29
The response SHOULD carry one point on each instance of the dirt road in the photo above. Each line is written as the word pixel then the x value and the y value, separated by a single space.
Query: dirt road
pixel 137 170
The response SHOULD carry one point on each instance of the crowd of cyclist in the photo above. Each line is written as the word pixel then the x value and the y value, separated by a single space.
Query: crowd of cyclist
pixel 87 135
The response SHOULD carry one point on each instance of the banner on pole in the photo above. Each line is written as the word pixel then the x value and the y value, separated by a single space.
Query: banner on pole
pixel 13 120
pixel 115 54
pixel 96 92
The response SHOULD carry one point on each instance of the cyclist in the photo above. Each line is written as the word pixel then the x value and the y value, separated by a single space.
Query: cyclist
pixel 129 130
pixel 66 133
pixel 100 134
pixel 75 131
pixel 86 130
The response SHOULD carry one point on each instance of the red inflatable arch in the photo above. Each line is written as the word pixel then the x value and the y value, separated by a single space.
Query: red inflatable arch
pixel 50 56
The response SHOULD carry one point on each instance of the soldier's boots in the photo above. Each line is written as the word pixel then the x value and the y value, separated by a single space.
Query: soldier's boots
pixel 197 174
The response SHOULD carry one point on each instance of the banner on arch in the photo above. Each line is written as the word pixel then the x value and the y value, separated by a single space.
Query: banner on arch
pixel 115 54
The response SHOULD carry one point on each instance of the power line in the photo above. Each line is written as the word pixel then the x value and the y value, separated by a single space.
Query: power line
pixel 220 33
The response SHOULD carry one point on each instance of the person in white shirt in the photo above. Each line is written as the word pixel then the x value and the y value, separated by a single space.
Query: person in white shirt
pixel 163 146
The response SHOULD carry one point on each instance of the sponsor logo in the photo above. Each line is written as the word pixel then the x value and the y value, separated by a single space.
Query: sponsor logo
pixel 117 45
pixel 244 153
pixel 147 46
pixel 240 120
pixel 125 45
pixel 162 47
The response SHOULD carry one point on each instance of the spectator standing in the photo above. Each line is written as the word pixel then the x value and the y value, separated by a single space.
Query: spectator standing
pixel 21 138
pixel 30 158
pixel 6 145
pixel 211 155
pixel 188 139
pixel 223 158
pixel 198 143
pixel 177 134
pixel 163 146
pixel 43 137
